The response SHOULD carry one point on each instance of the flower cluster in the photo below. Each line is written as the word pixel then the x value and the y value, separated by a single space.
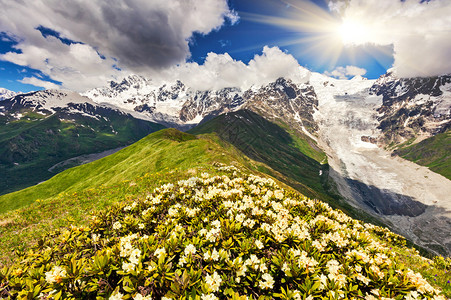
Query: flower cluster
pixel 219 237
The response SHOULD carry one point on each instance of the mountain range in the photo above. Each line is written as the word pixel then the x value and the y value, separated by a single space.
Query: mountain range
pixel 336 140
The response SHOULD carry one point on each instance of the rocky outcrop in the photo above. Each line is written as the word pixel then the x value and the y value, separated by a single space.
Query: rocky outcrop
pixel 413 107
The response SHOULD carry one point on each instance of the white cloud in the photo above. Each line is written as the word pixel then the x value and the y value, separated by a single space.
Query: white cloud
pixel 39 83
pixel 346 72
pixel 420 32
pixel 221 70
pixel 136 35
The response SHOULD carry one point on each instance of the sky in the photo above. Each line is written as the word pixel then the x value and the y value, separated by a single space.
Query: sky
pixel 83 44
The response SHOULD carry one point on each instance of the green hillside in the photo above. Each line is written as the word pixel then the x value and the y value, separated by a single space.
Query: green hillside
pixel 232 235
pixel 272 145
pixel 165 149
pixel 33 144
pixel 433 152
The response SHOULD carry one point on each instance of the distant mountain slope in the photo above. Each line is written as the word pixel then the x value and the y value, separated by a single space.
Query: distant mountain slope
pixel 272 145
pixel 434 152
pixel 41 129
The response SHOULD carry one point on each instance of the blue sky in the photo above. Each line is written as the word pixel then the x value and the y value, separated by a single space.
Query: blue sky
pixel 70 46
pixel 243 40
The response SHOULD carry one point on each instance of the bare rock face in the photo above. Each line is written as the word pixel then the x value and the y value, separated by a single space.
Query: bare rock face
pixel 286 101
pixel 413 107
pixel 368 139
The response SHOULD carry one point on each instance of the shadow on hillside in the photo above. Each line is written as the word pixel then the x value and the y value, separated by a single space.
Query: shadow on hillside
pixel 385 202
pixel 268 143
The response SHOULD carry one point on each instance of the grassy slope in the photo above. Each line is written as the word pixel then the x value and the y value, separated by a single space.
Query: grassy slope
pixel 155 152
pixel 434 152
pixel 31 145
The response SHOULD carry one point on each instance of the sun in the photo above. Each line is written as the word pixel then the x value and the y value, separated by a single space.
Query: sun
pixel 353 32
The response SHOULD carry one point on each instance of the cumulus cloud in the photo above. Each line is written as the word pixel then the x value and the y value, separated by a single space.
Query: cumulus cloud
pixel 221 71
pixel 346 72
pixel 134 35
pixel 418 30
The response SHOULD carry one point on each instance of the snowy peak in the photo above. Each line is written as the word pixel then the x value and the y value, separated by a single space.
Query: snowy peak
pixel 67 105
pixel 49 99
pixel 176 105
pixel 6 94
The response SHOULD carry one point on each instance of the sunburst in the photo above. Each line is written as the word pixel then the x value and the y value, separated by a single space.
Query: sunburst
pixel 322 33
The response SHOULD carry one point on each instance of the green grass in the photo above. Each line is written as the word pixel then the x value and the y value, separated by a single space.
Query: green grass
pixel 434 152
pixel 33 144
pixel 163 149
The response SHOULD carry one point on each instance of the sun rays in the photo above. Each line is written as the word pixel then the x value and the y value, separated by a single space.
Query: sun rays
pixel 321 33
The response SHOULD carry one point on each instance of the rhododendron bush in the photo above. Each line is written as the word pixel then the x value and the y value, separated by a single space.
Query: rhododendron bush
pixel 233 236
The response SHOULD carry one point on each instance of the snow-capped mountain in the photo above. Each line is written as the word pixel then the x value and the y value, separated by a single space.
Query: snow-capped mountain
pixel 182 107
pixel 48 102
pixel 5 94
pixel 169 104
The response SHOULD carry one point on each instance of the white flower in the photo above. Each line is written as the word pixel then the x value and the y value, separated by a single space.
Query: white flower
pixel 128 267
pixel 57 274
pixel 267 283
pixel 141 226
pixel 285 268
pixel 213 281
pixel 134 256
pixel 278 194
pixel 240 218
pixel 95 237
pixel 259 244
pixel 190 249
pixel 117 225
pixel 214 255
pixel 160 252
pixel 182 261
pixel 208 297
pixel 141 297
